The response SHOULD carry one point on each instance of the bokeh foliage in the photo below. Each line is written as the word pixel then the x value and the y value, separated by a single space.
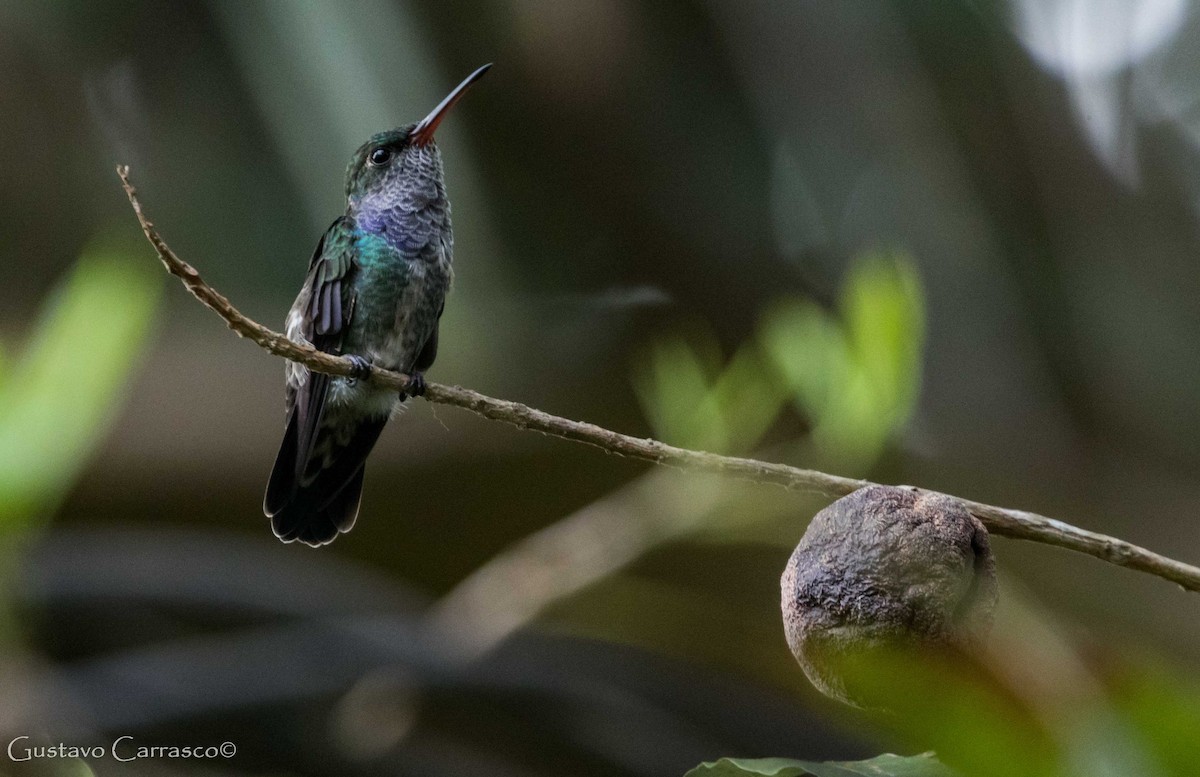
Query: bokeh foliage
pixel 853 373
pixel 61 392
pixel 887 765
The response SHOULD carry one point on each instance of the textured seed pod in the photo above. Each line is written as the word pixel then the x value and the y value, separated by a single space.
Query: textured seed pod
pixel 884 569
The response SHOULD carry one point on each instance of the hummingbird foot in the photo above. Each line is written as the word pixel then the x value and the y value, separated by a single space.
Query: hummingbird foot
pixel 360 369
pixel 416 386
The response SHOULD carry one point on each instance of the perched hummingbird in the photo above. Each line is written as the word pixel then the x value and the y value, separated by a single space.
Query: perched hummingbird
pixel 374 292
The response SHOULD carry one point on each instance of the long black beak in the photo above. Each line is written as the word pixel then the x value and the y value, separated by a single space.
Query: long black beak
pixel 423 133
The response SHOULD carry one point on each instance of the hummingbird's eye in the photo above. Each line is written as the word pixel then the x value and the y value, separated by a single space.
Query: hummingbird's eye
pixel 380 157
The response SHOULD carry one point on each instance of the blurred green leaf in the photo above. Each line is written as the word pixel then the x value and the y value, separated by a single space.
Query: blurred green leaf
pixel 676 396
pixel 747 399
pixel 810 351
pixel 1164 708
pixel 691 400
pixel 59 395
pixel 887 765
pixel 856 376
pixel 884 311
pixel 948 702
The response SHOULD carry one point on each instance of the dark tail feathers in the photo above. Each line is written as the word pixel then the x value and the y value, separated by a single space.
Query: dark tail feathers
pixel 315 499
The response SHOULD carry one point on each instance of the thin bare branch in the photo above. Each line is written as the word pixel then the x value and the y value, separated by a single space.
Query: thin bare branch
pixel 1016 524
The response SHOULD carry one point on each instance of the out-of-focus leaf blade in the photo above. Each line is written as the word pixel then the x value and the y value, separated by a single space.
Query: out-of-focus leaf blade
pixel 675 391
pixel 750 767
pixel 935 700
pixel 887 765
pixel 884 311
pixel 809 350
pixel 692 401
pixel 1164 707
pixel 747 399
pixel 855 375
pixel 59 395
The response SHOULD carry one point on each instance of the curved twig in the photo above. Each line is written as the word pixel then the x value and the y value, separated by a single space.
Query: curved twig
pixel 1016 524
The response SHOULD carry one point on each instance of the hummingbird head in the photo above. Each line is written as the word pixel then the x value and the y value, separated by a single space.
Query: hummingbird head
pixel 404 163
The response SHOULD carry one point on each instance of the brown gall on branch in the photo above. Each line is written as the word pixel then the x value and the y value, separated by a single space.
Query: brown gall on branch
pixel 1015 524
pixel 883 573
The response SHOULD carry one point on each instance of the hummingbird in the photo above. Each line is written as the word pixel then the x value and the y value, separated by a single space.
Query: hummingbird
pixel 374 293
